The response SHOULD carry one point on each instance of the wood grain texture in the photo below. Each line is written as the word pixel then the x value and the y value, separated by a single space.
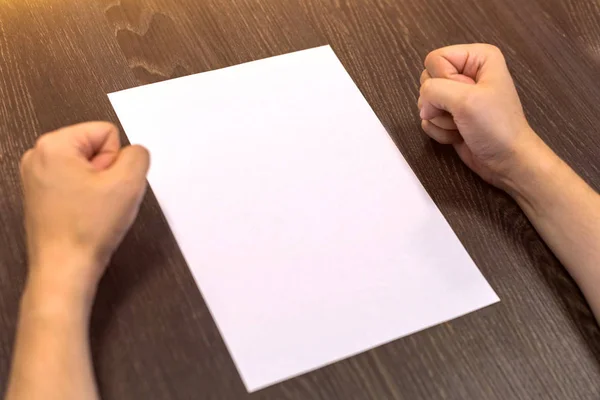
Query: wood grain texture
pixel 152 335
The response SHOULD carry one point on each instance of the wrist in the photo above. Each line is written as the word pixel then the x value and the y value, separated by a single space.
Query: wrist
pixel 69 284
pixel 533 165
pixel 42 302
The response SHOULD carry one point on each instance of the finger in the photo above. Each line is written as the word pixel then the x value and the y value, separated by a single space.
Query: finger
pixel 469 60
pixel 440 135
pixel 432 112
pixel 440 67
pixel 429 111
pixel 442 94
pixel 132 165
pixel 97 142
pixel 424 76
pixel 444 121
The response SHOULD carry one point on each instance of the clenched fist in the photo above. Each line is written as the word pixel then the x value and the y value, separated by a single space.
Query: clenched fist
pixel 468 99
pixel 82 193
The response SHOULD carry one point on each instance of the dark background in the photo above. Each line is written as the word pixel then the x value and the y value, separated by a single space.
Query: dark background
pixel 152 335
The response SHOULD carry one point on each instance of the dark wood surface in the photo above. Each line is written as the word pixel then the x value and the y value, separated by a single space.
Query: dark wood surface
pixel 152 335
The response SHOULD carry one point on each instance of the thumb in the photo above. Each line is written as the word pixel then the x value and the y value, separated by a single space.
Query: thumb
pixel 462 78
pixel 440 94
pixel 132 164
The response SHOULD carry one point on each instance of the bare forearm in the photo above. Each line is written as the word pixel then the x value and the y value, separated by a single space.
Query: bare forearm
pixel 81 192
pixel 52 358
pixel 566 213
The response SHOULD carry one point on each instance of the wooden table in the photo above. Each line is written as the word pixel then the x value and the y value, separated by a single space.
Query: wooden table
pixel 152 335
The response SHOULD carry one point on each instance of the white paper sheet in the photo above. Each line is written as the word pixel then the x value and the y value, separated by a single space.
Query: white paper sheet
pixel 306 231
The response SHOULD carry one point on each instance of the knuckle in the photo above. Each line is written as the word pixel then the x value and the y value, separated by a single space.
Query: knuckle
pixel 427 59
pixel 426 87
pixel 26 156
pixel 25 160
pixel 143 152
pixel 493 50
pixel 431 56
pixel 44 143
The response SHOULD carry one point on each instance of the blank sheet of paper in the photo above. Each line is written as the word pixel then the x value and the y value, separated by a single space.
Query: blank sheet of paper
pixel 308 234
